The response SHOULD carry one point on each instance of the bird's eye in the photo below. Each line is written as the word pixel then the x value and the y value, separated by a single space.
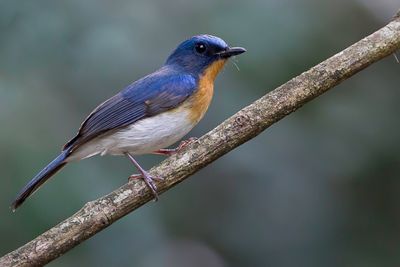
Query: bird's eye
pixel 200 48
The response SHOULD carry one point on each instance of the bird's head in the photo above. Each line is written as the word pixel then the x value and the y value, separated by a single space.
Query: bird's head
pixel 201 53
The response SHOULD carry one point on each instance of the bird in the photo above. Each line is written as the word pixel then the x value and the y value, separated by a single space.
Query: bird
pixel 148 115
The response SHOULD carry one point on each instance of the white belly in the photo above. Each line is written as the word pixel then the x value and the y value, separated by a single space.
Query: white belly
pixel 143 137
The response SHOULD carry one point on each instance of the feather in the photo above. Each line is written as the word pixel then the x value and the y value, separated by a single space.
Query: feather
pixel 147 97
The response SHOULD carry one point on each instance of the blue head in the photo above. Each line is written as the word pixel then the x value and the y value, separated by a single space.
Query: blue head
pixel 198 53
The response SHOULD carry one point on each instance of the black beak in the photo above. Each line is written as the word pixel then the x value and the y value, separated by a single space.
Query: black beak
pixel 231 51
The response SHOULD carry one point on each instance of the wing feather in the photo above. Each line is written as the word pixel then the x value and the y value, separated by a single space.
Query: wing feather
pixel 153 94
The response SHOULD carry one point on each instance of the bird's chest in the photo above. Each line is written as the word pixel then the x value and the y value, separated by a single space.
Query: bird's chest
pixel 198 103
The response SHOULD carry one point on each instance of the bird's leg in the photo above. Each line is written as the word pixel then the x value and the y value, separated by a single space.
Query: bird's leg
pixel 171 151
pixel 147 178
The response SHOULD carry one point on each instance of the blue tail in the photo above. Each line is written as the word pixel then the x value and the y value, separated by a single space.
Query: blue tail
pixel 40 178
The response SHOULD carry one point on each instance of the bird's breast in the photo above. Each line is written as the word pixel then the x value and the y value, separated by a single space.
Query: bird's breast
pixel 199 102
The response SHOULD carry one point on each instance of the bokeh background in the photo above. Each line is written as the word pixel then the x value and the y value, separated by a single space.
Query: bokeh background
pixel 319 188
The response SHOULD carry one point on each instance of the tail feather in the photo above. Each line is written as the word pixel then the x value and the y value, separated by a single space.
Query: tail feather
pixel 40 179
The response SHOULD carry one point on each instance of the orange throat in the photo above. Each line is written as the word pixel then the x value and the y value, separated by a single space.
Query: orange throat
pixel 201 99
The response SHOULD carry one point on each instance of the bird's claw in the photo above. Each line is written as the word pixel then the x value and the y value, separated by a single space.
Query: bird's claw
pixel 139 176
pixel 172 151
pixel 149 180
pixel 187 142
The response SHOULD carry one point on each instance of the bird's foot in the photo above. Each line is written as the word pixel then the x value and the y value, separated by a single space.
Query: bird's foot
pixel 149 180
pixel 145 175
pixel 172 151
pixel 139 176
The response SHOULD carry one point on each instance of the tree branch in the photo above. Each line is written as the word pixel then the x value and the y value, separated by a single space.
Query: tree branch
pixel 241 127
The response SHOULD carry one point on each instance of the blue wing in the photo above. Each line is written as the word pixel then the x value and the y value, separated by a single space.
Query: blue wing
pixel 149 96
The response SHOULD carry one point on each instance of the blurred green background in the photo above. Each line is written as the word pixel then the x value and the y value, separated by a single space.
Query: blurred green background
pixel 319 188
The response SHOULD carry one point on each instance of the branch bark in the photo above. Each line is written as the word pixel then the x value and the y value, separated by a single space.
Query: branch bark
pixel 241 127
